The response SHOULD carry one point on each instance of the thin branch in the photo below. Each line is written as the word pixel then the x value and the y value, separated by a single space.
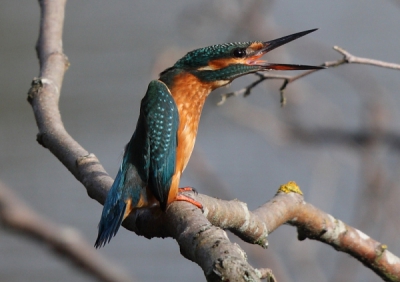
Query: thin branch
pixel 16 215
pixel 351 59
pixel 247 90
pixel 347 59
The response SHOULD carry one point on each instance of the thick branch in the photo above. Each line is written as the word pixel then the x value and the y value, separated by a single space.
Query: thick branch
pixel 200 241
pixel 312 223
pixel 288 206
pixel 44 96
pixel 18 216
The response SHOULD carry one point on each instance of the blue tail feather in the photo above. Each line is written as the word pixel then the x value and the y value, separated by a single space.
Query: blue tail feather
pixel 127 187
pixel 113 213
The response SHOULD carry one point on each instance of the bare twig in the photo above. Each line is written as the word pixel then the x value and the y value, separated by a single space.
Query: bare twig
pixel 18 216
pixel 247 90
pixel 347 59
pixel 351 59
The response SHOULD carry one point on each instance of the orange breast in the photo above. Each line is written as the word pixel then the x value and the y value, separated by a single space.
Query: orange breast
pixel 189 94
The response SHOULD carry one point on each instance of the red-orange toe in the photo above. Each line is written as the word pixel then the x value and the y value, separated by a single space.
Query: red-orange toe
pixel 187 189
pixel 181 197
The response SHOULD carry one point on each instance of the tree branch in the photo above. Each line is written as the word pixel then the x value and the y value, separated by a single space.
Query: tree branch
pixel 227 259
pixel 288 206
pixel 18 216
pixel 347 59
pixel 315 224
pixel 44 96
pixel 351 59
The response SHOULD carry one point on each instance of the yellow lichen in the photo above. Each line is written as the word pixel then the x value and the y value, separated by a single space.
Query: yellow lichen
pixel 290 187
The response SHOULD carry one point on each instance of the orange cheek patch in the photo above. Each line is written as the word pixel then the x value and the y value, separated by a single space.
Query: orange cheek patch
pixel 257 46
pixel 222 63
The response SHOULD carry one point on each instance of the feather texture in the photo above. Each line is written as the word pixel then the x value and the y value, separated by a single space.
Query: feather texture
pixel 149 162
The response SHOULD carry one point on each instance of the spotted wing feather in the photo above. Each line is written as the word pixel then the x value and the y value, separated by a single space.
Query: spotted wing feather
pixel 161 121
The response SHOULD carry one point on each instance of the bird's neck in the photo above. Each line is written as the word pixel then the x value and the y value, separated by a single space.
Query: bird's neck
pixel 189 94
pixel 191 86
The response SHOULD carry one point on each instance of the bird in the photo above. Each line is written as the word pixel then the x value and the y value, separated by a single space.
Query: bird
pixel 166 130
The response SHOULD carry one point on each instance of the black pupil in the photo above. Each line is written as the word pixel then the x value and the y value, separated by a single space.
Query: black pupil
pixel 239 53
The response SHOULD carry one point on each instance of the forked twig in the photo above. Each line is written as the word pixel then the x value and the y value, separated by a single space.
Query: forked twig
pixel 348 58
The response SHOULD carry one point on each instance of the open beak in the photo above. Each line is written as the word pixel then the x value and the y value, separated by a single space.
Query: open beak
pixel 271 45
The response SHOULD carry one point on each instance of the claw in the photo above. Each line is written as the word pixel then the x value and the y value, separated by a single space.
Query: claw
pixel 181 197
pixel 188 189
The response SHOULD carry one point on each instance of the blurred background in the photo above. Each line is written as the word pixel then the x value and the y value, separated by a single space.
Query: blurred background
pixel 337 137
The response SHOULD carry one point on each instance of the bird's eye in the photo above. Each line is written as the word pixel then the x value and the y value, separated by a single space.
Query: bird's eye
pixel 239 52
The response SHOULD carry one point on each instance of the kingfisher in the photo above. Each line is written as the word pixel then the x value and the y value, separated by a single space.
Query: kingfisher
pixel 160 148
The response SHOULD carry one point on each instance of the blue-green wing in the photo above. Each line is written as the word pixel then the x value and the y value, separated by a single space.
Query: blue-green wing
pixel 159 121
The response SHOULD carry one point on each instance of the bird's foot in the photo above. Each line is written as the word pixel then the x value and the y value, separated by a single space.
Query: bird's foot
pixel 181 197
pixel 187 189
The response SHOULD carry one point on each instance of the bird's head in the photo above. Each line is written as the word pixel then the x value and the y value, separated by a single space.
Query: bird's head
pixel 222 63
